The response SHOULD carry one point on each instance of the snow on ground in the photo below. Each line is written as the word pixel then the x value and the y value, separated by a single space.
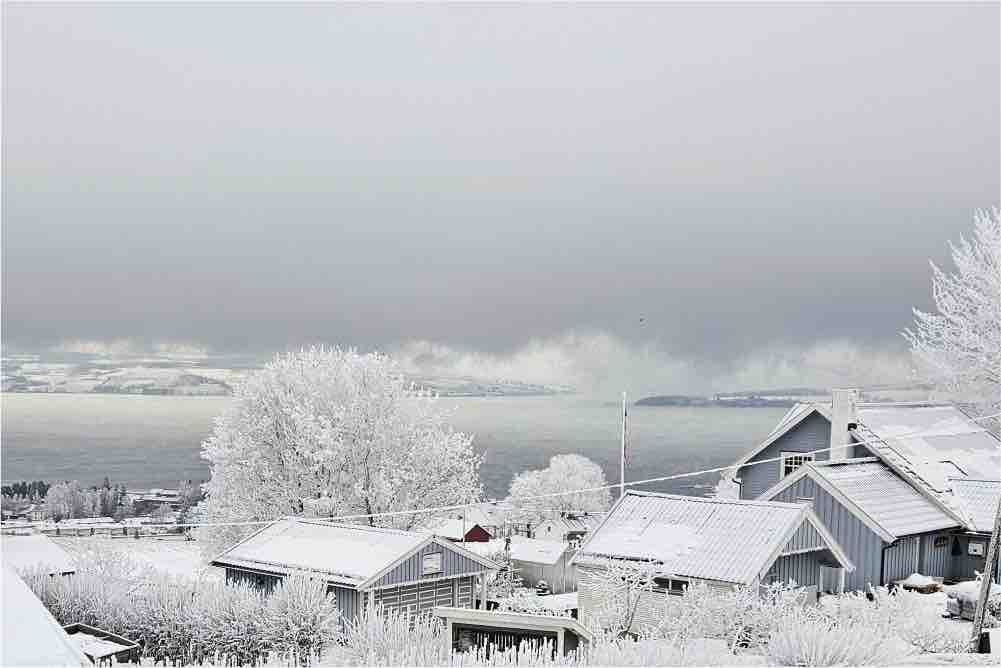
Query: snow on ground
pixel 167 555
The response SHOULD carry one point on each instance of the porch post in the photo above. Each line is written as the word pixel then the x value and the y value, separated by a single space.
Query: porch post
pixel 841 580
pixel 559 643
pixel 483 591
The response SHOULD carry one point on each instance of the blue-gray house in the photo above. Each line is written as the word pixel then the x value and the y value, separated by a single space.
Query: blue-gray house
pixel 903 488
pixel 362 565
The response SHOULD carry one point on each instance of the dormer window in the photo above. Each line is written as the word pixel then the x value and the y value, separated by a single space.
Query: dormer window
pixel 791 461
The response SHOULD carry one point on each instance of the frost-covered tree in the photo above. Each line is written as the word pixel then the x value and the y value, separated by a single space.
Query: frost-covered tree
pixel 564 474
pixel 958 349
pixel 334 424
pixel 69 500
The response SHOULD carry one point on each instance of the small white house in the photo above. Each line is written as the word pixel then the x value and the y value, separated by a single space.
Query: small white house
pixel 535 560
pixel 722 542
pixel 567 528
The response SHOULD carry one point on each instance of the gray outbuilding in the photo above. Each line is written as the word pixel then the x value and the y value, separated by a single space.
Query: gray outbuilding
pixel 362 565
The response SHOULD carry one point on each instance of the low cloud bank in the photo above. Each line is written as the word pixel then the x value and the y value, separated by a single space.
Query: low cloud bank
pixel 129 347
pixel 601 364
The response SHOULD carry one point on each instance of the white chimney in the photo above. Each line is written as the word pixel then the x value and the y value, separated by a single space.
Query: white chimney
pixel 842 416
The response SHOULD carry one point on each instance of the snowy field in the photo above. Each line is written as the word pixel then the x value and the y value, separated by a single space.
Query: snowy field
pixel 167 555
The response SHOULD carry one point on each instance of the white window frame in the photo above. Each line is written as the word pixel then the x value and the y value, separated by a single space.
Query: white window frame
pixel 432 563
pixel 783 456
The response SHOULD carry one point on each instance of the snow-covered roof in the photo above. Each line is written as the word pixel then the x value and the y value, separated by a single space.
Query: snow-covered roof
pixel 99 647
pixel 938 442
pixel 928 444
pixel 512 620
pixel 978 500
pixel 350 553
pixel 881 498
pixel 712 539
pixel 345 553
pixel 30 635
pixel 531 550
pixel 571 524
pixel 34 552
pixel 559 602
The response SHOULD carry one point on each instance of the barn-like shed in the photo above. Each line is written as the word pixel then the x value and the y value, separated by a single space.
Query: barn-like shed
pixel 362 565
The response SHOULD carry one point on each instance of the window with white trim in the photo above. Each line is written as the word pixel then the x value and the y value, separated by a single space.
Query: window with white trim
pixel 791 461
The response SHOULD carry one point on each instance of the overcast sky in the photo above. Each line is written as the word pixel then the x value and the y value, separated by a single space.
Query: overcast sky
pixel 703 182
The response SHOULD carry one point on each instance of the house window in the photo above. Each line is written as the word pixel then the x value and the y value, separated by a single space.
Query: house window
pixel 431 563
pixel 792 461
pixel 672 586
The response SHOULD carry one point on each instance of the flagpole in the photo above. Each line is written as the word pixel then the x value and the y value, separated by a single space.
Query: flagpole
pixel 622 453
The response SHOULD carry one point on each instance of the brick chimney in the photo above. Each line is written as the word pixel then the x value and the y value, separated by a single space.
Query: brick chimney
pixel 842 416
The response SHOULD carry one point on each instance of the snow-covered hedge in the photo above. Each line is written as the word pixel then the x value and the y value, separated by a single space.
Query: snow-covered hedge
pixel 182 621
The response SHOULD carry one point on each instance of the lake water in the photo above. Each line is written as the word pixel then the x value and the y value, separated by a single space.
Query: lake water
pixel 154 441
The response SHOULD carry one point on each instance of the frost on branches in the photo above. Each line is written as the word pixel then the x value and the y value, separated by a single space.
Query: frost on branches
pixel 564 473
pixel 335 426
pixel 958 349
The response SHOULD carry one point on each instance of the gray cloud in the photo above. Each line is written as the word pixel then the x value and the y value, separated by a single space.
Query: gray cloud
pixel 741 178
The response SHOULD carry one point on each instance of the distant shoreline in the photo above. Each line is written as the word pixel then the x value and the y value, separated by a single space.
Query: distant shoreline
pixel 707 402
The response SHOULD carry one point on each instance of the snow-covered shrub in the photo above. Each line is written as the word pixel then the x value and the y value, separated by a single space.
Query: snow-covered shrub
pixel 807 639
pixel 300 617
pixel 526 600
pixel 179 621
pixel 227 621
pixel 648 652
pixel 390 638
pixel 740 616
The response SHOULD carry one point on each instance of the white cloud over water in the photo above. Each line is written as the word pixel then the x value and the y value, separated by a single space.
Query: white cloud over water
pixel 597 363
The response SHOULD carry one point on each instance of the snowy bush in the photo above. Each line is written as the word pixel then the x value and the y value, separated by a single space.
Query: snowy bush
pixel 740 616
pixel 177 620
pixel 300 617
pixel 527 600
pixel 390 638
pixel 814 640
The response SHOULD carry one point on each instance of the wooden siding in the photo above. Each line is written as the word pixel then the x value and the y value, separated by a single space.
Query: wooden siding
pixel 900 559
pixel 263 581
pixel 963 564
pixel 349 602
pixel 813 433
pixel 806 538
pixel 863 547
pixel 803 569
pixel 934 561
pixel 452 563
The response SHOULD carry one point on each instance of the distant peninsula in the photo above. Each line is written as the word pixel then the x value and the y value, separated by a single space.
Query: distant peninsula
pixel 718 400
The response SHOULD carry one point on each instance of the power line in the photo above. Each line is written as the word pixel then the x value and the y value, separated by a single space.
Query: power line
pixel 676 476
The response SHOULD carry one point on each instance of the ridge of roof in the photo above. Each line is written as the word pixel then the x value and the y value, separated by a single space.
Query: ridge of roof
pixel 714 500
pixel 842 462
